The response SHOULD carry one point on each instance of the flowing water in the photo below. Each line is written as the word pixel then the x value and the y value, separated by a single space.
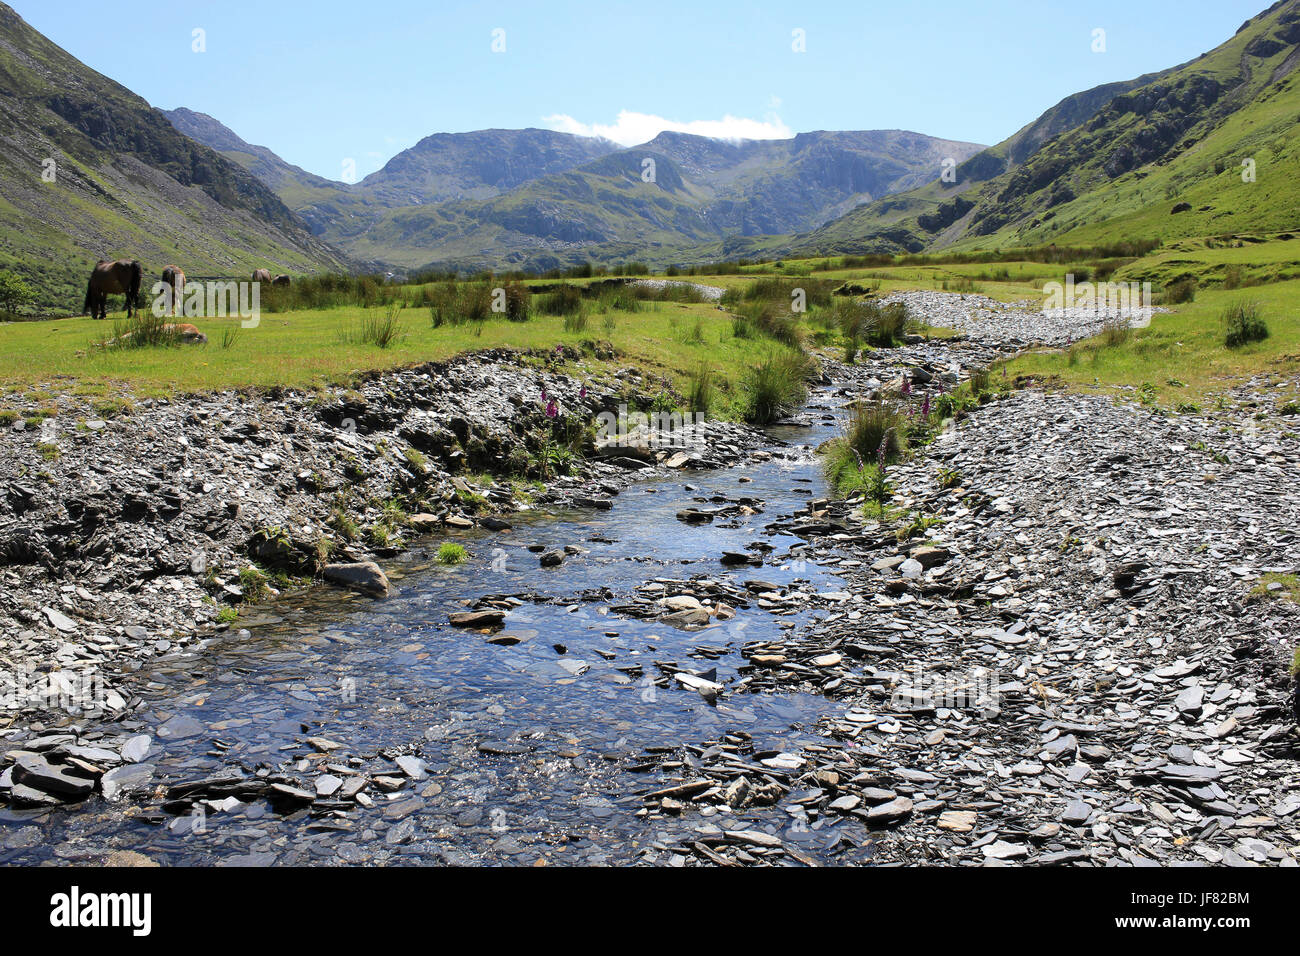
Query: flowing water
pixel 529 748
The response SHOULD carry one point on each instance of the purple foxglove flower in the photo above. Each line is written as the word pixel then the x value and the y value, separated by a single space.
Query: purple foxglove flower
pixel 552 409
pixel 582 392
pixel 907 386
pixel 925 406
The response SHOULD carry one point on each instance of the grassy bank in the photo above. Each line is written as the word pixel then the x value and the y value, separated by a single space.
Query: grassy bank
pixel 312 348
pixel 1182 359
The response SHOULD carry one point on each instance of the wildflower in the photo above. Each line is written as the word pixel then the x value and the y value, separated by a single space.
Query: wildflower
pixel 907 386
pixel 544 395
pixel 552 410
pixel 582 392
pixel 925 406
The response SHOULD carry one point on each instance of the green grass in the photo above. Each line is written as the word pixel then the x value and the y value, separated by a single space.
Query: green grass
pixel 451 553
pixel 1187 346
pixel 1288 587
pixel 303 350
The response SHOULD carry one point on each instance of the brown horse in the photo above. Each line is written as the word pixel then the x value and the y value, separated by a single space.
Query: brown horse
pixel 112 278
pixel 262 275
pixel 174 277
pixel 281 279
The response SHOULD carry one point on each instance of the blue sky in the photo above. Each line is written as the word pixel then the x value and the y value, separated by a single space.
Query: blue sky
pixel 325 81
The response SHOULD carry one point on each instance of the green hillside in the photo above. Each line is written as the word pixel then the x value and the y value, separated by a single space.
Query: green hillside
pixel 88 170
pixel 1151 145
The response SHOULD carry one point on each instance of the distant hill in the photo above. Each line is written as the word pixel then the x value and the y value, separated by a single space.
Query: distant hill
pixel 1159 157
pixel 535 199
pixel 126 184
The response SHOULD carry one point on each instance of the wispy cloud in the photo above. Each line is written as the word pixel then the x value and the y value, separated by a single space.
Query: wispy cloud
pixel 631 129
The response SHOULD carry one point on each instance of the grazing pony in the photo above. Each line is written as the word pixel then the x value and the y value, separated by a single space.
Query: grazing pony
pixel 262 275
pixel 281 279
pixel 174 277
pixel 122 277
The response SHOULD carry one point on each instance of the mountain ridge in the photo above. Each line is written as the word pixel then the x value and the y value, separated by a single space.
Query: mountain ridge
pixel 549 198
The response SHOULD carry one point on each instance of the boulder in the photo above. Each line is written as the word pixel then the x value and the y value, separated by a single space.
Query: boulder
pixel 364 576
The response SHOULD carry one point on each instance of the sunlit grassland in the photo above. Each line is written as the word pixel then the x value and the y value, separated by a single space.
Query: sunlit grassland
pixel 1182 354
pixel 312 348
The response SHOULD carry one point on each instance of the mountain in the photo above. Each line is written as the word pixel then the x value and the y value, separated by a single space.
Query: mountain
pixel 702 191
pixel 89 170
pixel 478 165
pixel 1159 157
pixel 536 199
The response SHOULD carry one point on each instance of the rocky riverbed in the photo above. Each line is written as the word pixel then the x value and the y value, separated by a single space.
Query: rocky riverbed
pixel 679 655
pixel 122 538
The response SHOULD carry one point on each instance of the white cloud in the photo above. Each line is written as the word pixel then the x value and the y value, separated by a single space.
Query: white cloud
pixel 632 129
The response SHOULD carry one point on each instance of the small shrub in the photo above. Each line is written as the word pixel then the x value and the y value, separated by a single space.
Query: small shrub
pixel 518 301
pixel 15 294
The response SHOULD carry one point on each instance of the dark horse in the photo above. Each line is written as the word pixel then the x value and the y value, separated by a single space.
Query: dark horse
pixel 113 278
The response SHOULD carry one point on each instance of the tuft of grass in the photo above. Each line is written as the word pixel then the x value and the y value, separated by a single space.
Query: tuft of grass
pixel 874 426
pixel 382 330
pixel 576 322
pixel 143 330
pixel 416 459
pixel 700 392
pixel 450 553
pixel 343 525
pixel 1244 323
pixel 254 583
pixel 775 387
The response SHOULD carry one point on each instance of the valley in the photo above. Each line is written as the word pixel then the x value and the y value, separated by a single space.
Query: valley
pixel 701 502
